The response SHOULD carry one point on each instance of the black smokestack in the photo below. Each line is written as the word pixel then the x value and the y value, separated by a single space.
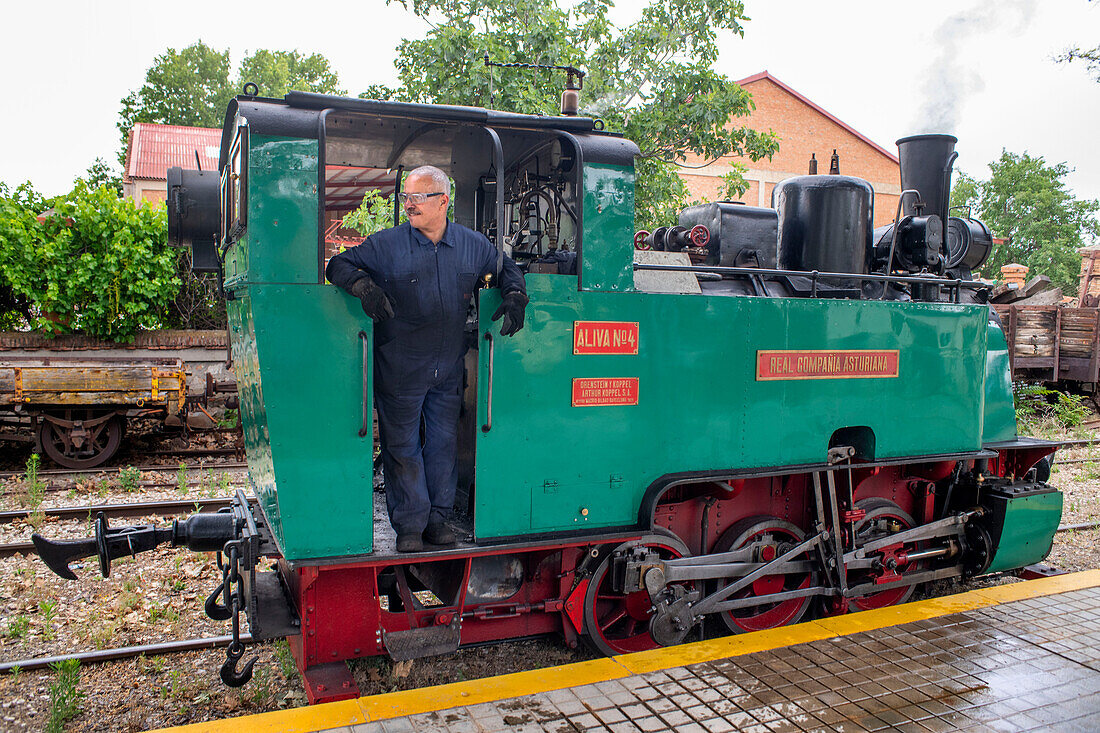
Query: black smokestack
pixel 926 163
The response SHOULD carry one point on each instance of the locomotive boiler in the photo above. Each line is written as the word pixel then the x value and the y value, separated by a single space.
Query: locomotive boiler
pixel 781 412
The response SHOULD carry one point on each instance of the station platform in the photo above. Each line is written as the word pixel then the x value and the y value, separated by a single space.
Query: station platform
pixel 1017 657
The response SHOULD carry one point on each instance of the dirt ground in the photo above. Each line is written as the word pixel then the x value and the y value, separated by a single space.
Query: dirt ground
pixel 158 597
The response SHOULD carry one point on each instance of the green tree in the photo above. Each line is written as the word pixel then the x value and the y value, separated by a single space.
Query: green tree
pixel 189 87
pixel 277 72
pixel 192 87
pixel 101 173
pixel 651 80
pixel 1090 56
pixel 1025 201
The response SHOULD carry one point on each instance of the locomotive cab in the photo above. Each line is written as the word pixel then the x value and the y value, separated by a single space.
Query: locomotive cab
pixel 292 170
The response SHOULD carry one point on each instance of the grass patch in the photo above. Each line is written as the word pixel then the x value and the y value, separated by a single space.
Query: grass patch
pixel 65 698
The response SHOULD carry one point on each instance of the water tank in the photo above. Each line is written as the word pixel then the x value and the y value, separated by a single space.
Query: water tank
pixel 824 224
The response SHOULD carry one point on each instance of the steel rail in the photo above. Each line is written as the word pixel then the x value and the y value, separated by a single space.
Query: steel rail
pixel 169 507
pixel 144 485
pixel 14 548
pixel 114 469
pixel 194 452
pixel 1081 525
pixel 126 652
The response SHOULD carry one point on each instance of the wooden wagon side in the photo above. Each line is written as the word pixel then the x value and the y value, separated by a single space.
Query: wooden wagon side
pixel 1052 343
pixel 78 406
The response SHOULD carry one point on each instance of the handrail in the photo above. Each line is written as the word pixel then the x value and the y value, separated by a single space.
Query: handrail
pixel 365 340
pixel 814 275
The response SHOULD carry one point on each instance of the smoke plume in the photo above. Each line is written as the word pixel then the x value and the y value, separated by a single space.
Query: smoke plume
pixel 948 81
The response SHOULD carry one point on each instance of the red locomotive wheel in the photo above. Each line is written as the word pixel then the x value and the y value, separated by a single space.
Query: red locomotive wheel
pixel 775 536
pixel 617 623
pixel 86 446
pixel 883 518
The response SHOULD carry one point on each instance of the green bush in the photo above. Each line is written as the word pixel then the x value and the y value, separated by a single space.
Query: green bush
pixel 97 265
pixel 1039 408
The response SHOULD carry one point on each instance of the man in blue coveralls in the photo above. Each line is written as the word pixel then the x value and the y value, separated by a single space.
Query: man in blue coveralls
pixel 415 281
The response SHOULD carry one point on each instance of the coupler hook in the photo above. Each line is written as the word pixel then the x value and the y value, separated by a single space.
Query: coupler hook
pixel 231 586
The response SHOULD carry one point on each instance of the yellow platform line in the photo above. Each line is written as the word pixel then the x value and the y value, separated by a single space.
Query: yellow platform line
pixel 493 689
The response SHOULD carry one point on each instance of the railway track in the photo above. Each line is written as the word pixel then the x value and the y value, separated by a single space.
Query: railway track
pixel 115 469
pixel 126 652
pixel 118 511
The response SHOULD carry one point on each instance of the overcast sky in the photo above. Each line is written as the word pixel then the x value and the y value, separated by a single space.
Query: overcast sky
pixel 983 71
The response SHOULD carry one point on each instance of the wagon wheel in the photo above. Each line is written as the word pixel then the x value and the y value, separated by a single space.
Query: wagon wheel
pixel 773 537
pixel 616 622
pixel 883 518
pixel 80 438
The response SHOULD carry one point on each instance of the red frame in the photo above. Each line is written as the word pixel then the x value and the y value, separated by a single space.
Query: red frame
pixel 340 605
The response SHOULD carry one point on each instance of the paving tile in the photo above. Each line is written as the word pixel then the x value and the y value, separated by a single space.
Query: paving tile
pixel 570 707
pixel 586 721
pixel 610 715
pixel 661 705
pixel 675 718
pixel 397 725
pixel 717 725
pixel 740 720
pixel 624 727
pixel 650 724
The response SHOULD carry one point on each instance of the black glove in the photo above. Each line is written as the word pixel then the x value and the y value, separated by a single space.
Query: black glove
pixel 376 303
pixel 512 307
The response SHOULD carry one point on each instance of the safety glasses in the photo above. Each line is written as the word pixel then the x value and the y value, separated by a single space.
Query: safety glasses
pixel 416 198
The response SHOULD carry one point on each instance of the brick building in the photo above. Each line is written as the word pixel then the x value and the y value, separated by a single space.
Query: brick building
pixel 803 128
pixel 153 149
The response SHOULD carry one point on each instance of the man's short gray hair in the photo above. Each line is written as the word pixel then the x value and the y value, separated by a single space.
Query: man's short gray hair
pixel 439 178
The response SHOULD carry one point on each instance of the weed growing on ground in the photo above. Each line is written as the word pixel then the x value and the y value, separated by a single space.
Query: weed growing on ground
pixel 209 483
pixel 128 599
pixel 36 491
pixel 104 636
pixel 128 479
pixel 36 488
pixel 48 610
pixel 223 483
pixel 181 478
pixel 64 696
pixel 103 488
pixel 259 691
pixel 176 688
pixel 163 612
pixel 156 665
pixel 18 627
pixel 228 419
pixel 285 660
pixel 1040 410
pixel 14 672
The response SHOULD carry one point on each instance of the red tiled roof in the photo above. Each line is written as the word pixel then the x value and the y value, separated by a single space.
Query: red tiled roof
pixel 765 75
pixel 156 148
